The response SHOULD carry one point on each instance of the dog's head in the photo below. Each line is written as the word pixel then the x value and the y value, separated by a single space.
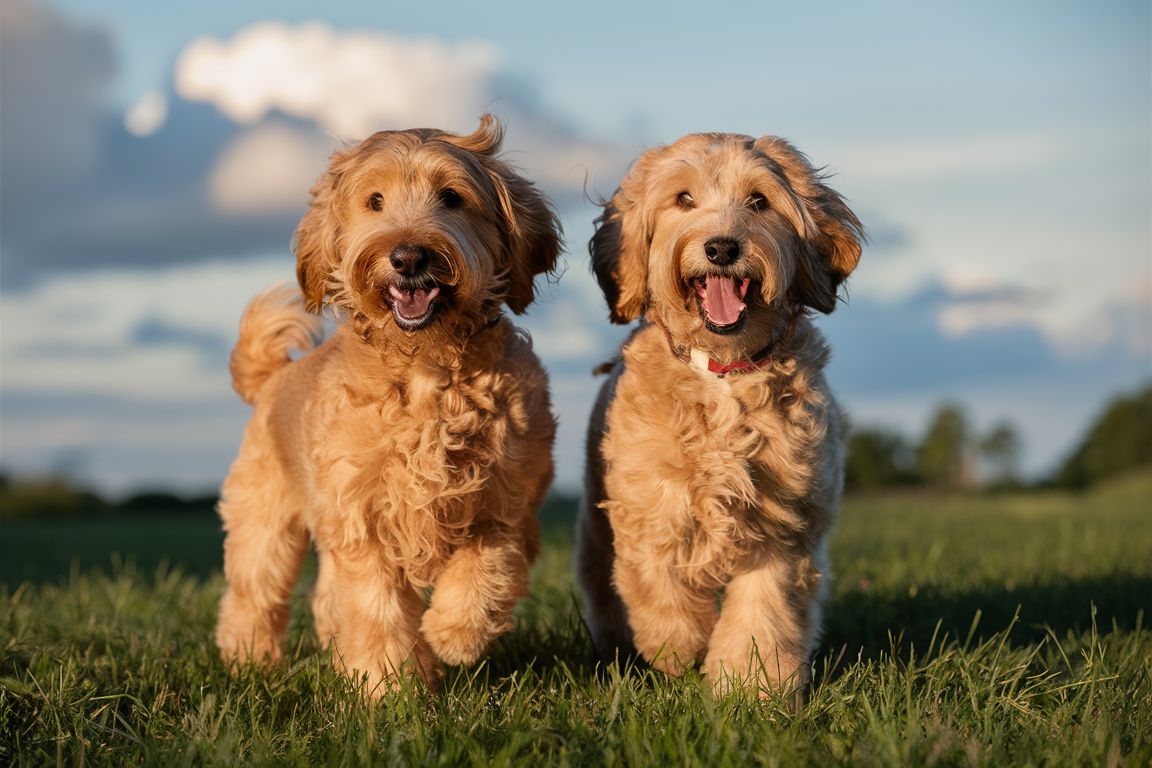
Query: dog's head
pixel 722 237
pixel 416 228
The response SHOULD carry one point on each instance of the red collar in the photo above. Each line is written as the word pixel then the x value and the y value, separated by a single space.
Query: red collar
pixel 755 363
pixel 699 359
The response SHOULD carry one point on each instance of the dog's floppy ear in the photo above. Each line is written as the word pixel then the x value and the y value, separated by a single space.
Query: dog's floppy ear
pixel 619 245
pixel 315 243
pixel 534 233
pixel 832 235
pixel 531 226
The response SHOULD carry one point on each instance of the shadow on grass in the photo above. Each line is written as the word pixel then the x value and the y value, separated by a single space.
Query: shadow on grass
pixel 863 624
pixel 858 626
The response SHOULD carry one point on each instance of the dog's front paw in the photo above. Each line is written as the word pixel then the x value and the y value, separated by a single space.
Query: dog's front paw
pixel 458 637
pixel 767 679
pixel 247 647
pixel 247 634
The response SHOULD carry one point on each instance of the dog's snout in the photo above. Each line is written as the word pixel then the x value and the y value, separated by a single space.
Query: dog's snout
pixel 722 251
pixel 409 259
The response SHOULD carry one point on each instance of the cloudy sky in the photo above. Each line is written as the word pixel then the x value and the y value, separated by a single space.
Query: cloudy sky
pixel 154 159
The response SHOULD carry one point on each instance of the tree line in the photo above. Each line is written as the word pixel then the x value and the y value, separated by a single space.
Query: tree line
pixel 951 455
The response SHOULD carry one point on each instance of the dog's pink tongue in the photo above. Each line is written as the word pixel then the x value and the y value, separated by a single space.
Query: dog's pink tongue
pixel 413 305
pixel 722 299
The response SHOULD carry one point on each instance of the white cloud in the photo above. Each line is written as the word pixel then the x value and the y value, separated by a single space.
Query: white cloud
pixel 146 116
pixel 1136 315
pixel 1049 216
pixel 268 168
pixel 962 319
pixel 77 334
pixel 349 83
pixel 66 146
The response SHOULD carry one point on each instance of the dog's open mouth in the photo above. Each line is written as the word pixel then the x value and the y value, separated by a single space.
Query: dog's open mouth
pixel 721 299
pixel 413 305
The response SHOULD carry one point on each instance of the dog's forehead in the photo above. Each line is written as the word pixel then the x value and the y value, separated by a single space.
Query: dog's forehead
pixel 718 160
pixel 413 158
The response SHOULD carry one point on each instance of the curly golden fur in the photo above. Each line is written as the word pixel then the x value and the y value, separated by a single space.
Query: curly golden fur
pixel 715 449
pixel 414 446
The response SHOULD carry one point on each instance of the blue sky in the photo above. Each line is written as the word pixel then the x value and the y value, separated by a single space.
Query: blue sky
pixel 154 160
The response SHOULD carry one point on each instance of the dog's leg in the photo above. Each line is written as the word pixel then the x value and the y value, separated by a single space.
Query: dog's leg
pixel 264 546
pixel 670 620
pixel 766 629
pixel 374 622
pixel 473 599
pixel 322 600
pixel 604 611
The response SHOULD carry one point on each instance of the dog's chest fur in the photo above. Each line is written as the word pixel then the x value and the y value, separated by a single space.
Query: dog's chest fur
pixel 712 472
pixel 423 451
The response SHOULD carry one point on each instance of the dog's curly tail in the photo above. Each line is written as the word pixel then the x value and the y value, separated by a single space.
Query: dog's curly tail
pixel 274 324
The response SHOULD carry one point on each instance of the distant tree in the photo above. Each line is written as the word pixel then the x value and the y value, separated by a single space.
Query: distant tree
pixel 1001 450
pixel 30 497
pixel 1120 440
pixel 46 497
pixel 942 458
pixel 878 458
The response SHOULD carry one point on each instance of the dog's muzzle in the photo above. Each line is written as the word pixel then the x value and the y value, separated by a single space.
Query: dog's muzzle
pixel 413 293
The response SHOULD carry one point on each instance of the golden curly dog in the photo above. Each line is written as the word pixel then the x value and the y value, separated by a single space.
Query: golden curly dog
pixel 414 446
pixel 715 449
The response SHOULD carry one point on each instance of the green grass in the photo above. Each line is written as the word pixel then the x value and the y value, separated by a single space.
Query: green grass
pixel 962 631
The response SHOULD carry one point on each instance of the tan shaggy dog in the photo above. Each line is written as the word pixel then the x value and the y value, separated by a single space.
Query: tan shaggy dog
pixel 414 446
pixel 715 449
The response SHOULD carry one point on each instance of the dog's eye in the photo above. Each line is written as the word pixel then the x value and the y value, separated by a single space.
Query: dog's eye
pixel 450 198
pixel 685 200
pixel 376 202
pixel 757 202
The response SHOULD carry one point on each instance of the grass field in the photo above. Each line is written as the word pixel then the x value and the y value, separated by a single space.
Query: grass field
pixel 999 631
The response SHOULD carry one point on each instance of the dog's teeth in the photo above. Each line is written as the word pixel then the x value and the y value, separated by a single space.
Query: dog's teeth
pixel 401 294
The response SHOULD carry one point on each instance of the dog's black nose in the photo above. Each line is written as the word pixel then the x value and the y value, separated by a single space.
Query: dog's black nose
pixel 409 259
pixel 722 251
